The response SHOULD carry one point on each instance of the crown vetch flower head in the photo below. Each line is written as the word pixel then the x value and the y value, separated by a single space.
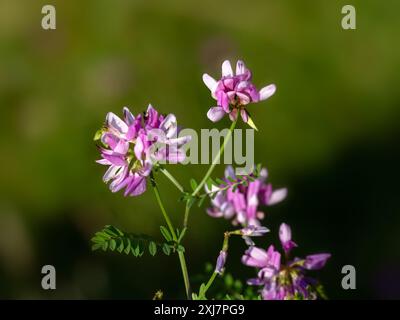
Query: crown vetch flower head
pixel 234 91
pixel 241 201
pixel 133 145
pixel 284 280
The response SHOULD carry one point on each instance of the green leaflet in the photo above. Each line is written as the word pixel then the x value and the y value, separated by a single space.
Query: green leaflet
pixel 110 238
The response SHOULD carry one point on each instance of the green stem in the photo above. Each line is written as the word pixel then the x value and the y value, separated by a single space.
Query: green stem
pixel 225 247
pixel 164 212
pixel 216 159
pixel 185 275
pixel 210 282
pixel 172 179
pixel 186 217
pixel 174 237
pixel 209 171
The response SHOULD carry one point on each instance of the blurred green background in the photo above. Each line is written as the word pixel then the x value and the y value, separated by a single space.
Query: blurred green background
pixel 330 134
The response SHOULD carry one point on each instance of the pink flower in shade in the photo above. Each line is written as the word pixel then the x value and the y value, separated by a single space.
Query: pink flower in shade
pixel 285 236
pixel 234 91
pixel 241 203
pixel 284 280
pixel 131 147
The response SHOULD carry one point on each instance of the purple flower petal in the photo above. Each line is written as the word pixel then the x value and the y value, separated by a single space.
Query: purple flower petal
pixel 169 125
pixel 233 114
pixel 254 231
pixel 175 155
pixel 252 198
pixel 210 82
pixel 255 282
pixel 255 257
pixel 221 262
pixel 240 68
pixel 215 114
pixel 228 210
pixel 179 141
pixel 110 173
pixel 139 147
pixel 214 213
pixel 103 162
pixel 230 172
pixel 253 93
pixel 121 182
pixel 316 261
pixel 227 69
pixel 129 117
pixel 244 115
pixel 267 272
pixel 116 124
pixel 285 233
pixel 267 92
pixel 222 100
pixel 152 117
pixel 115 159
pixel 277 196
pixel 248 241
pixel 243 98
pixel 274 257
pixel 136 186
pixel 229 83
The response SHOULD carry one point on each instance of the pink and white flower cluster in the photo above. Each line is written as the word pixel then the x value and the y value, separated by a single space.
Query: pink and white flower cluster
pixel 233 91
pixel 133 145
pixel 241 203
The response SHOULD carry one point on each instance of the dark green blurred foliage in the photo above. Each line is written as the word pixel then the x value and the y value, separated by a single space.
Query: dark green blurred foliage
pixel 330 135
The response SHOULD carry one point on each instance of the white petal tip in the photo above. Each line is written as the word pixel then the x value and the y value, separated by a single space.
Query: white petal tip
pixel 215 114
pixel 227 68
pixel 209 81
pixel 267 92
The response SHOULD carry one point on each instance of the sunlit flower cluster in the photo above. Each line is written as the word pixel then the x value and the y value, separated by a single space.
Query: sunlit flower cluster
pixel 131 146
pixel 234 91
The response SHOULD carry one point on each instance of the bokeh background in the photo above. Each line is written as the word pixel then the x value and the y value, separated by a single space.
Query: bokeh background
pixel 330 134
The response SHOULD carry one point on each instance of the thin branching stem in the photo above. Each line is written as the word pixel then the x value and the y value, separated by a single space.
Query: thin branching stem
pixel 171 228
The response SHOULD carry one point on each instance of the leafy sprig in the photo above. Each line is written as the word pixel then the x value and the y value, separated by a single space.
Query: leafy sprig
pixel 110 238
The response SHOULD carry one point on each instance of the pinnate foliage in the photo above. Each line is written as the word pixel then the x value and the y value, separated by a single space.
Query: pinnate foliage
pixel 111 238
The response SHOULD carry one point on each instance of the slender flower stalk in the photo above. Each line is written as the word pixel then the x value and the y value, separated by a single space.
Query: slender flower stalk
pixel 172 179
pixel 185 274
pixel 221 260
pixel 209 171
pixel 216 159
pixel 210 282
pixel 246 233
pixel 174 236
